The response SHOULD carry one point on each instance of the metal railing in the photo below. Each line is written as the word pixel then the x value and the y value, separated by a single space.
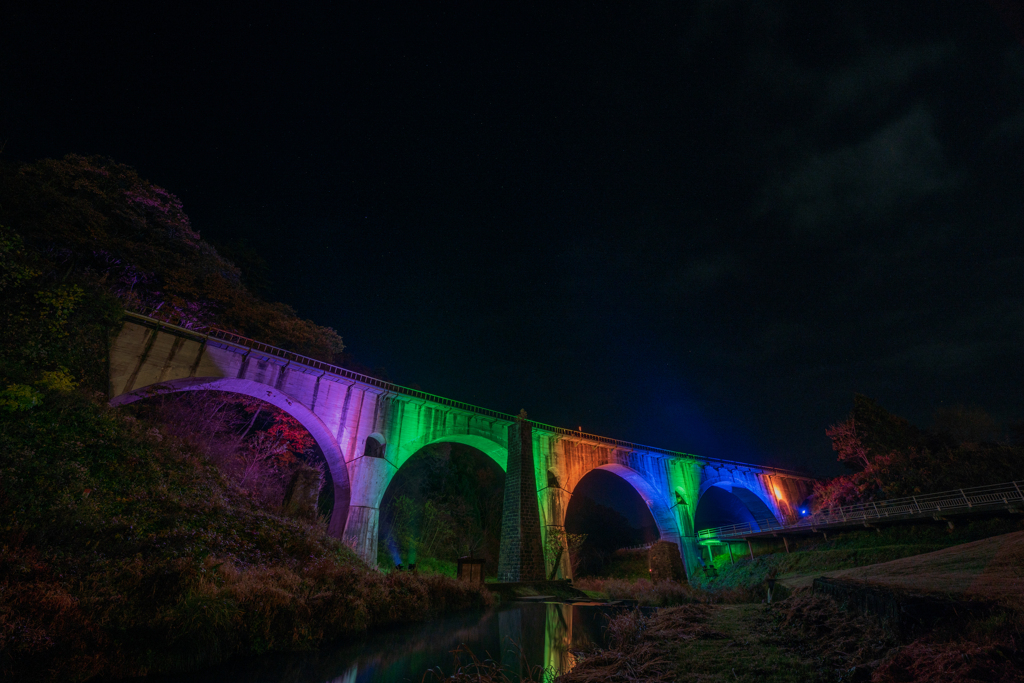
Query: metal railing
pixel 248 344
pixel 978 498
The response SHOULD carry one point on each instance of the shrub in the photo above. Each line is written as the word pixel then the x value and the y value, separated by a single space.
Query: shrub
pixel 164 549
pixel 644 591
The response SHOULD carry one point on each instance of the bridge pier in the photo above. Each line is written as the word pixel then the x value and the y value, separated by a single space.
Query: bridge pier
pixel 370 478
pixel 521 557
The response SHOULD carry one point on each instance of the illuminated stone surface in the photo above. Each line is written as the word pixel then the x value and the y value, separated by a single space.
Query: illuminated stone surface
pixel 521 557
pixel 368 429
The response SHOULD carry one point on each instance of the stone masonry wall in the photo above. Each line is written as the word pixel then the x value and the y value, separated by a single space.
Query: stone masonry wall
pixel 666 562
pixel 521 557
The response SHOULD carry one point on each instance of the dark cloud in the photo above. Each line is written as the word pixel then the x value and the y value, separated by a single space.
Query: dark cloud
pixel 875 81
pixel 862 183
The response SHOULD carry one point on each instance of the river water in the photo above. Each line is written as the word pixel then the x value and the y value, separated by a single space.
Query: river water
pixel 519 634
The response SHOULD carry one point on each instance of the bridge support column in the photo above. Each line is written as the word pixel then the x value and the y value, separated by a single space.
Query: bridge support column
pixel 521 557
pixel 370 478
pixel 361 532
pixel 553 504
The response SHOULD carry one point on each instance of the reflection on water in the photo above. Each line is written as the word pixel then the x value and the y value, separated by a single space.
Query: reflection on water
pixel 519 635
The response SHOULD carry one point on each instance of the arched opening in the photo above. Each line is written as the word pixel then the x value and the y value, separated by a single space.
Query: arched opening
pixel 374 446
pixel 614 516
pixel 336 496
pixel 680 496
pixel 723 504
pixel 444 502
pixel 255 445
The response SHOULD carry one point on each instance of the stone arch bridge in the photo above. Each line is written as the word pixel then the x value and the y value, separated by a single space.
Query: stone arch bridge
pixel 367 429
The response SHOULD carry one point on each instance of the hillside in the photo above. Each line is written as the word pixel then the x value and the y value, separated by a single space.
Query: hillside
pixel 126 547
pixel 989 569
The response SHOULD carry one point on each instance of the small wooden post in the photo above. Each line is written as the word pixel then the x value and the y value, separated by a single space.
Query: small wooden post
pixel 732 560
pixel 784 540
pixel 750 548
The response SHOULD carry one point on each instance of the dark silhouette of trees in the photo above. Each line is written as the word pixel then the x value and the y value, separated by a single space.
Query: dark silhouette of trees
pixel 444 503
pixel 92 222
pixel 890 457
pixel 605 530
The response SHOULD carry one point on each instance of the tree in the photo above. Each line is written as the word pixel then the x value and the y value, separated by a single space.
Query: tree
pixel 97 222
pixel 559 543
pixel 965 424
pixel 893 458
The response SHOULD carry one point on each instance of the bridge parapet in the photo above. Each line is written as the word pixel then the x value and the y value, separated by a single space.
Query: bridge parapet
pixel 332 372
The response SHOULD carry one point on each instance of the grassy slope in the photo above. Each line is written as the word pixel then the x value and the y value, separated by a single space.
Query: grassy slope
pixel 752 643
pixel 815 556
pixel 989 569
pixel 805 638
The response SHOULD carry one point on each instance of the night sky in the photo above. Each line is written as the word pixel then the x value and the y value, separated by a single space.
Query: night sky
pixel 695 225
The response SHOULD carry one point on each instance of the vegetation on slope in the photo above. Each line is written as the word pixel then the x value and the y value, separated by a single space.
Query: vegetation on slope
pixel 444 503
pixel 92 221
pixel 812 556
pixel 126 546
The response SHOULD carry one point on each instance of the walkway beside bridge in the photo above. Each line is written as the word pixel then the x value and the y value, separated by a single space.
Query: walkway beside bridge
pixel 937 506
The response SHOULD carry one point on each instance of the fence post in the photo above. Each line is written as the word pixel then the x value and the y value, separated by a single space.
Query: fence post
pixel 914 498
pixel 1018 490
pixel 966 499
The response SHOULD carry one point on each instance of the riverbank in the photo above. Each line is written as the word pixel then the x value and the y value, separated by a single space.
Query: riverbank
pixel 953 614
pixel 803 639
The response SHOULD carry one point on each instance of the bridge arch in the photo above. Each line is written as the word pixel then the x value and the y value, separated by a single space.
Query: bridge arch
pixel 317 429
pixel 372 500
pixel 374 446
pixel 659 507
pixel 487 444
pixel 723 501
pixel 373 475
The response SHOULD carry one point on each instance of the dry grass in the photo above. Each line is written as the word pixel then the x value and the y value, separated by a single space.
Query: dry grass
pixel 980 651
pixel 638 646
pixel 667 593
pixel 990 569
pixel 956 661
pixel 816 627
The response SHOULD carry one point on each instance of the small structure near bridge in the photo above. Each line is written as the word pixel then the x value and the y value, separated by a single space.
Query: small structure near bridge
pixel 665 562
